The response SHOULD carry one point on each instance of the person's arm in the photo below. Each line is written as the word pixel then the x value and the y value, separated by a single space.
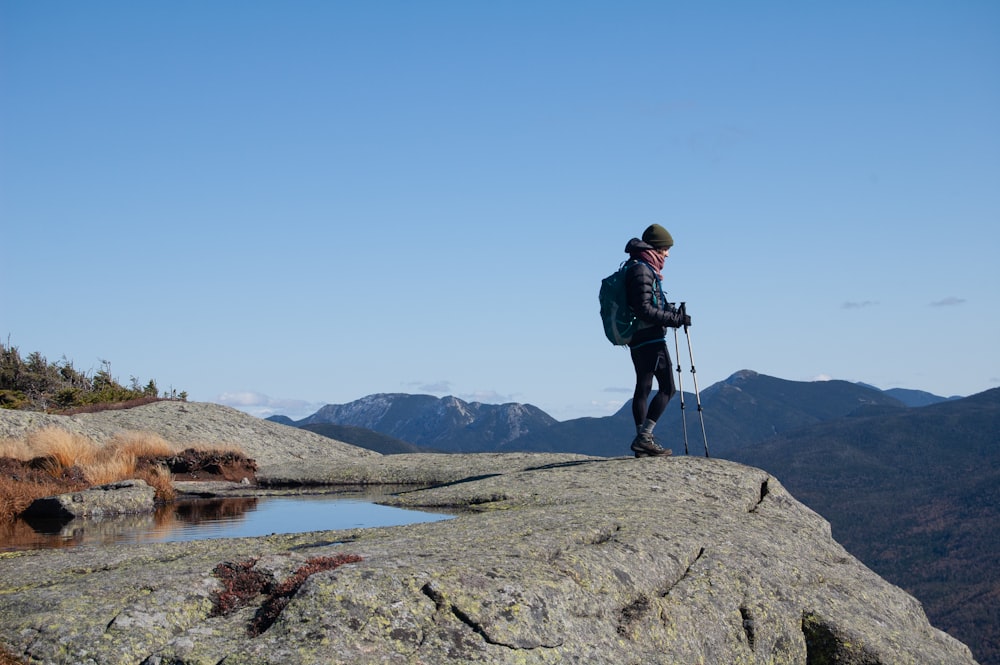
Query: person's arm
pixel 640 285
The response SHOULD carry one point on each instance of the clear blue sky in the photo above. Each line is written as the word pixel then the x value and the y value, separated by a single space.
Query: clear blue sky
pixel 279 205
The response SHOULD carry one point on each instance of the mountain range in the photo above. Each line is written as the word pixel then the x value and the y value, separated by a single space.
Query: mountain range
pixel 745 409
pixel 915 494
pixel 909 481
pixel 446 424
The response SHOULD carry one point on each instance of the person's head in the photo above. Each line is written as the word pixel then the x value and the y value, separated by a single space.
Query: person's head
pixel 658 238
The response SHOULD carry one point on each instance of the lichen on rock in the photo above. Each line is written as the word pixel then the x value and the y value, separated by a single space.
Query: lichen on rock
pixel 550 559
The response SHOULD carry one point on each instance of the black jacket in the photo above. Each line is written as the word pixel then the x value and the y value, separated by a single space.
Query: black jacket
pixel 646 299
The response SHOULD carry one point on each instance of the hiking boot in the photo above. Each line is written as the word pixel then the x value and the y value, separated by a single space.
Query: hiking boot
pixel 644 445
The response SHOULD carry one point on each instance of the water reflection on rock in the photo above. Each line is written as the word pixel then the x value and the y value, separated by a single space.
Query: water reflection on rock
pixel 36 533
pixel 210 518
pixel 194 512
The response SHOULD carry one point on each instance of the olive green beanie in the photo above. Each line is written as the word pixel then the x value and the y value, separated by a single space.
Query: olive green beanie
pixel 658 237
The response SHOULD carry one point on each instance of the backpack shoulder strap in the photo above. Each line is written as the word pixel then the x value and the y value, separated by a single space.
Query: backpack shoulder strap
pixel 656 279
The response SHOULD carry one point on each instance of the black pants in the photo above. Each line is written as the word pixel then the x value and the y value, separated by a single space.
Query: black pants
pixel 651 360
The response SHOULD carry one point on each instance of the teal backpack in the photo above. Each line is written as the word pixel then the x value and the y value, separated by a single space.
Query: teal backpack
pixel 620 323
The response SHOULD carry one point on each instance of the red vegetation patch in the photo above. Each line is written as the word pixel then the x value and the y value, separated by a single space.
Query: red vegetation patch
pixel 6 658
pixel 37 471
pixel 110 406
pixel 242 583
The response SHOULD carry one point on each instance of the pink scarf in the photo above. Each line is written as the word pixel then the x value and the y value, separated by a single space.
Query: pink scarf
pixel 653 258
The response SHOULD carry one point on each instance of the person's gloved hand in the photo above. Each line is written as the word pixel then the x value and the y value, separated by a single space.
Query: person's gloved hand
pixel 680 319
pixel 683 320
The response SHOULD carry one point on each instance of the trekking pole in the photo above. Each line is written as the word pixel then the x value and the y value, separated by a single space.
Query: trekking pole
pixel 680 389
pixel 694 378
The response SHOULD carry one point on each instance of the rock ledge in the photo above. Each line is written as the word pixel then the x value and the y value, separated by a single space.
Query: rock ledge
pixel 550 559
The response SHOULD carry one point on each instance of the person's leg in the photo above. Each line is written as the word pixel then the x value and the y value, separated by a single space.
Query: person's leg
pixel 644 373
pixel 665 389
pixel 647 360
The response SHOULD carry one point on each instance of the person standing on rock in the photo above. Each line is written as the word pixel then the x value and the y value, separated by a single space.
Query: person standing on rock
pixel 644 293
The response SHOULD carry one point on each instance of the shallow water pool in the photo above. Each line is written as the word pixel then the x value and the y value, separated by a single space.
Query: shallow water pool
pixel 202 519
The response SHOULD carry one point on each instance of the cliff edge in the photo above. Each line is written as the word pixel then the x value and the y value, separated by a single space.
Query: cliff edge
pixel 549 559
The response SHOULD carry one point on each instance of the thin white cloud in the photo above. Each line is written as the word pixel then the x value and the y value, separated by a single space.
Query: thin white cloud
pixel 950 301
pixel 822 377
pixel 859 304
pixel 432 387
pixel 444 388
pixel 590 409
pixel 487 397
pixel 245 398
pixel 263 406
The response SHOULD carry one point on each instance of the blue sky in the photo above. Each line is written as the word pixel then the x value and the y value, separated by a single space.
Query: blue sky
pixel 279 205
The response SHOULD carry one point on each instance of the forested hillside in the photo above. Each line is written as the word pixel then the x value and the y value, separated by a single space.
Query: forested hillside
pixel 34 383
pixel 915 494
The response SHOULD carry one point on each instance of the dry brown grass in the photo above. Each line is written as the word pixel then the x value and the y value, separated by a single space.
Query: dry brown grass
pixel 6 658
pixel 159 479
pixel 111 466
pixel 62 447
pixel 143 444
pixel 67 461
pixel 15 449
pixel 17 495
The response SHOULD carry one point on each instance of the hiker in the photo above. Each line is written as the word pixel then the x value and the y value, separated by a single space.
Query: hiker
pixel 648 345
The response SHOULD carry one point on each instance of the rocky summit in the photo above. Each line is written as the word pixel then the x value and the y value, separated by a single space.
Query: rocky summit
pixel 549 559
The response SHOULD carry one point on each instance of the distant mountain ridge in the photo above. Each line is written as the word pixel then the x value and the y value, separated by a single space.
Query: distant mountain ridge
pixel 446 424
pixel 913 397
pixel 744 409
pixel 364 438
